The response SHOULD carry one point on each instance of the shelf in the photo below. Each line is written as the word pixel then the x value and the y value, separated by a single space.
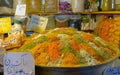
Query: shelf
pixel 97 13
pixel 7 14
pixel 76 13
pixel 106 12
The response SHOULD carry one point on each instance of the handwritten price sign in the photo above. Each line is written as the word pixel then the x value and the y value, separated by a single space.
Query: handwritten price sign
pixel 19 64
pixel 112 71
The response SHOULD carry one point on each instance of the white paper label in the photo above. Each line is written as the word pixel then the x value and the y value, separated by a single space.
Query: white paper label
pixel 34 21
pixel 20 10
pixel 19 64
pixel 37 22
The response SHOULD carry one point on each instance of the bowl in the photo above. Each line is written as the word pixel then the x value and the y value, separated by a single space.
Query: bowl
pixel 79 70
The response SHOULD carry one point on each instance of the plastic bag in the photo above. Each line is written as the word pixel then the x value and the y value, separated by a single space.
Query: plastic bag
pixel 5 25
pixel 51 22
pixel 77 5
pixel 42 7
pixel 51 6
pixel 6 6
pixel 16 36
pixel 16 2
pixel 65 6
pixel 12 41
pixel 33 6
pixel 24 20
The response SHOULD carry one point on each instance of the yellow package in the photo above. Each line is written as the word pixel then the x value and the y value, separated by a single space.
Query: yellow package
pixel 33 6
pixel 5 25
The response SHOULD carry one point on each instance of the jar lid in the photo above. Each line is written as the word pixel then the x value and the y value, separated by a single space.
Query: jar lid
pixel 62 18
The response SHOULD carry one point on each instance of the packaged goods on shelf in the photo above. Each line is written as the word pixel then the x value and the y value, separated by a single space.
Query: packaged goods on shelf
pixel 75 22
pixel 16 2
pixel 33 6
pixel 42 7
pixel 77 5
pixel 61 24
pixel 61 20
pixel 51 6
pixel 85 24
pixel 117 5
pixel 51 22
pixel 24 21
pixel 108 5
pixel 65 6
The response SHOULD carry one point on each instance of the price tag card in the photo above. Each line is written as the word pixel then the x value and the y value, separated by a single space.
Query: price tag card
pixel 37 23
pixel 5 25
pixel 112 71
pixel 20 10
pixel 19 63
pixel 33 22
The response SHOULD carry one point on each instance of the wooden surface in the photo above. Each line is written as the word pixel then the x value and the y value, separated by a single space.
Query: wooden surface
pixel 106 12
pixel 97 12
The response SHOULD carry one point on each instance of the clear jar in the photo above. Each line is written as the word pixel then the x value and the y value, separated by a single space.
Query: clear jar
pixel 112 4
pixel 77 5
pixel 105 5
pixel 75 22
pixel 94 6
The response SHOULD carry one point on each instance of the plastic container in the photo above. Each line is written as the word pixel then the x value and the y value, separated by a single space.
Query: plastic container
pixel 112 4
pixel 105 5
pixel 61 20
pixel 117 7
pixel 75 22
pixel 108 5
pixel 33 6
pixel 77 5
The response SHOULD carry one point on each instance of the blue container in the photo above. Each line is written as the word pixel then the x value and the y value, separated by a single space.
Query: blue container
pixel 75 22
